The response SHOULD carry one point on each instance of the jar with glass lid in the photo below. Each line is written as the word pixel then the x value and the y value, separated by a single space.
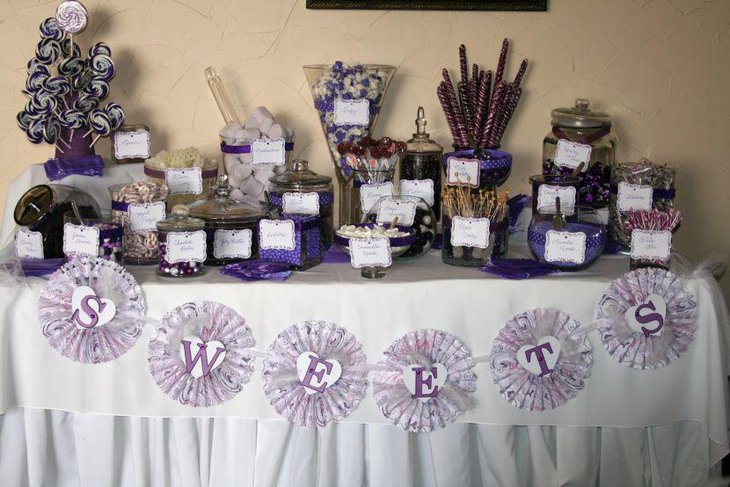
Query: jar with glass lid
pixel 582 138
pixel 183 244
pixel 231 226
pixel 299 191
pixel 420 169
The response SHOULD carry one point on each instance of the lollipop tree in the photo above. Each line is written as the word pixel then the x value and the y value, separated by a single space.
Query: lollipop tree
pixel 66 91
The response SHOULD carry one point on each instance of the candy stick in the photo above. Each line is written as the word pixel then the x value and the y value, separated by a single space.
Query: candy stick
pixel 463 65
pixel 458 117
pixel 502 62
pixel 481 110
pixel 520 73
pixel 450 120
pixel 508 109
pixel 466 108
pixel 492 117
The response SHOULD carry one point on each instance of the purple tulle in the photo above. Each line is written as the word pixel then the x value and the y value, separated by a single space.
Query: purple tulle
pixel 515 205
pixel 40 267
pixel 84 166
pixel 335 255
pixel 517 268
pixel 257 270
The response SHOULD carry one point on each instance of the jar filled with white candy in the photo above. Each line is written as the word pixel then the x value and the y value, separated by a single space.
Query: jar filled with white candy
pixel 187 174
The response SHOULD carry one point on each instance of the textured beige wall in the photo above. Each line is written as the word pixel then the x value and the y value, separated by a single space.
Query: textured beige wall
pixel 659 66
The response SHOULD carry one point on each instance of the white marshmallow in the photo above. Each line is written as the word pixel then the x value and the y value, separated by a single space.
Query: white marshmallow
pixel 263 173
pixel 242 172
pixel 230 129
pixel 265 125
pixel 275 132
pixel 246 136
pixel 236 195
pixel 252 187
pixel 231 161
pixel 246 158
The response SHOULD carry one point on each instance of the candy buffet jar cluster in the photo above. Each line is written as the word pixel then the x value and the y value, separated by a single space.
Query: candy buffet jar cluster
pixel 182 245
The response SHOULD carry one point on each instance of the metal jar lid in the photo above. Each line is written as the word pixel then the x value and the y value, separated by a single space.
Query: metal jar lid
pixel 579 116
pixel 299 178
pixel 34 205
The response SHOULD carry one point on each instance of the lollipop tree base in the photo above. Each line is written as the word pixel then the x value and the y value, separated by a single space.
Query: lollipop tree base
pixel 74 144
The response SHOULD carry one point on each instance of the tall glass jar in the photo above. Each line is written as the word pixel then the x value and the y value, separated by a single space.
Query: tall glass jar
pixel 138 207
pixel 580 135
pixel 183 244
pixel 421 164
pixel 300 191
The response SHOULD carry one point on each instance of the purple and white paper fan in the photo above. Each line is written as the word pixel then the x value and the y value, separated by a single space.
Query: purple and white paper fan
pixel 425 381
pixel 647 318
pixel 541 359
pixel 200 354
pixel 91 310
pixel 315 372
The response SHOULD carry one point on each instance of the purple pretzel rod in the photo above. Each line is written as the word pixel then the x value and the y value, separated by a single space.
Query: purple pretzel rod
pixel 443 99
pixel 520 73
pixel 499 76
pixel 482 97
pixel 466 106
pixel 510 105
pixel 462 64
pixel 494 109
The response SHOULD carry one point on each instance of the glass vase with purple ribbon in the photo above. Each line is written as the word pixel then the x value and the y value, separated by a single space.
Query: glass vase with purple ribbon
pixel 484 169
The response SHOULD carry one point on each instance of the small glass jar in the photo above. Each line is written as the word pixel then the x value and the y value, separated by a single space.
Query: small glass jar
pixel 138 207
pixel 231 227
pixel 423 225
pixel 300 191
pixel 369 187
pixel 422 162
pixel 40 212
pixel 131 143
pixel 183 244
pixel 471 252
pixel 110 235
pixel 545 188
pixel 582 131
pixel 307 249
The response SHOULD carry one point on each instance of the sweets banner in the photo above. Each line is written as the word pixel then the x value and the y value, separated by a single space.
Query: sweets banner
pixel 314 372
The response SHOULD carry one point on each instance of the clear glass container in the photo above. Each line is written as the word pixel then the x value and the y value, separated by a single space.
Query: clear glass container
pixel 231 227
pixel 400 242
pixel 423 226
pixel 110 235
pixel 375 188
pixel 183 244
pixel 132 143
pixel 455 253
pixel 141 246
pixel 545 188
pixel 299 181
pixel 41 211
pixel 307 251
pixel 207 175
pixel 422 161
pixel 581 125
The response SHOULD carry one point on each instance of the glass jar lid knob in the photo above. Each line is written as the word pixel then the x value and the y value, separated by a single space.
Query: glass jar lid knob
pixel 180 212
pixel 582 104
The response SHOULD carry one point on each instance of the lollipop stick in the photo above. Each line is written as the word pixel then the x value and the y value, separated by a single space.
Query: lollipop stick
pixel 96 139
pixel 64 143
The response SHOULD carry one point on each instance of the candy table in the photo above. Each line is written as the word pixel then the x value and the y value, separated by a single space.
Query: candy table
pixel 66 423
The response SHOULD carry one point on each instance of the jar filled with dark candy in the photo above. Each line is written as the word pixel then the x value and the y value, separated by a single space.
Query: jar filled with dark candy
pixel 300 191
pixel 582 138
pixel 183 244
pixel 292 239
pixel 410 211
pixel 420 169
pixel 40 213
pixel 231 226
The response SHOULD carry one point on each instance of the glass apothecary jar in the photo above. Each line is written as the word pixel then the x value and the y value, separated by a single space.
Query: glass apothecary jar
pixel 580 135
pixel 183 244
pixel 108 240
pixel 40 215
pixel 412 212
pixel 300 191
pixel 420 168
pixel 231 227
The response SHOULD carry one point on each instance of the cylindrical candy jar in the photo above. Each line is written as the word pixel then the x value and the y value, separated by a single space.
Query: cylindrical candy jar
pixel 183 244
pixel 580 135
pixel 231 227
pixel 187 181
pixel 300 191
pixel 108 241
pixel 545 188
pixel 467 242
pixel 138 207
pixel 420 168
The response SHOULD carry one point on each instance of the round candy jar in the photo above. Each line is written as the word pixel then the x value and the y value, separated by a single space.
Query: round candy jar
pixel 399 237
pixel 188 175
pixel 231 226
pixel 110 235
pixel 545 187
pixel 569 239
pixel 183 244
pixel 462 166
pixel 412 212
pixel 582 133
pixel 299 191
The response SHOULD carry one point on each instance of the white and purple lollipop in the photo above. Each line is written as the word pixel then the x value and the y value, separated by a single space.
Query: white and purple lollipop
pixel 71 17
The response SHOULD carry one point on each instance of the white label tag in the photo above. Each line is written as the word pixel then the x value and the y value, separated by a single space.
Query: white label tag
pixel 389 209
pixel 277 235
pixel 186 247
pixel 547 193
pixel 300 203
pixel 462 171
pixel 370 252
pixel 184 181
pixel 651 244
pixel 132 145
pixel 80 240
pixel 571 154
pixel 232 244
pixel 634 197
pixel 28 244
pixel 470 232
pixel 371 193
pixel 422 188
pixel 268 151
pixel 352 112
pixel 143 217
pixel 565 246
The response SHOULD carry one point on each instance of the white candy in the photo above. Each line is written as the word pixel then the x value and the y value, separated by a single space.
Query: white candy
pixel 258 116
pixel 236 195
pixel 246 158
pixel 263 174
pixel 246 136
pixel 241 172
pixel 252 187
pixel 278 170
pixel 230 130
pixel 275 132
pixel 265 126
pixel 230 161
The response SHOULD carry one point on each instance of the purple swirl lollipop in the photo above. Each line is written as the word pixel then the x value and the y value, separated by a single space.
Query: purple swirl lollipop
pixel 49 29
pixel 51 130
pixel 99 122
pixel 103 67
pixel 36 66
pixel 57 86
pixel 48 51
pixel 25 118
pixel 72 119
pixel 115 112
pixel 71 16
pixel 35 82
pixel 100 48
pixel 72 66
pixel 44 102
pixel 70 49
pixel 86 104
pixel 97 88
pixel 35 131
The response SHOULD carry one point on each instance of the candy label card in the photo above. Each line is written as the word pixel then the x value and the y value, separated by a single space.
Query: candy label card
pixel 186 247
pixel 370 252
pixel 565 247
pixel 462 171
pixel 572 154
pixel 301 203
pixel 277 235
pixel 422 188
pixel 634 197
pixel 390 209
pixel 352 112
pixel 132 145
pixel 28 244
pixel 651 244
pixel 470 232
pixel 80 240
pixel 143 217
pixel 547 193
pixel 268 151
pixel 232 244
pixel 371 193
pixel 184 181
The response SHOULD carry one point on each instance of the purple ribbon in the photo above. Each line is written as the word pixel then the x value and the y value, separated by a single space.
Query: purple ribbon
pixel 657 193
pixel 119 205
pixel 154 173
pixel 257 270
pixel 245 149
pixel 517 268
pixel 40 267
pixel 84 166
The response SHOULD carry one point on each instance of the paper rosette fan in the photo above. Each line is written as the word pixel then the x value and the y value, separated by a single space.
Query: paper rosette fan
pixel 541 359
pixel 315 372
pixel 91 310
pixel 200 354
pixel 425 381
pixel 647 318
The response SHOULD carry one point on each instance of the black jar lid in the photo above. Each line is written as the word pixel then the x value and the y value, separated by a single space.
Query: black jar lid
pixel 300 179
pixel 34 205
